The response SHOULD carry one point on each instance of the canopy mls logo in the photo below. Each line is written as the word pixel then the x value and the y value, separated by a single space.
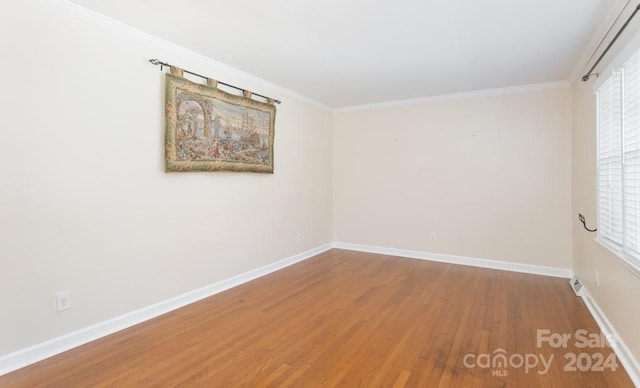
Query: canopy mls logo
pixel 501 362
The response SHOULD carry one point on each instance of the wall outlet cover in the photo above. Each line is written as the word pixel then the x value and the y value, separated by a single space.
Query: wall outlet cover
pixel 63 301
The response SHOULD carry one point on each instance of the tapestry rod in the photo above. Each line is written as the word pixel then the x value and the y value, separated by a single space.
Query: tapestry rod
pixel 163 64
pixel 589 73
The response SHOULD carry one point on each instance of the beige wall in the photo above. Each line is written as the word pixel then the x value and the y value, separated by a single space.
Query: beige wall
pixel 85 204
pixel 491 176
pixel 619 289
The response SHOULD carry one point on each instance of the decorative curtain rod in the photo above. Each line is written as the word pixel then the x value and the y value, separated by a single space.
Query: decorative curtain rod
pixel 589 73
pixel 163 64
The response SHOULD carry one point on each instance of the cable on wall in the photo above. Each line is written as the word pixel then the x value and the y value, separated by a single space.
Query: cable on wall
pixel 164 64
pixel 590 72
pixel 584 223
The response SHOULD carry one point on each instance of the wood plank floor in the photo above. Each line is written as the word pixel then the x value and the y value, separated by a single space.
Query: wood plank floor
pixel 348 319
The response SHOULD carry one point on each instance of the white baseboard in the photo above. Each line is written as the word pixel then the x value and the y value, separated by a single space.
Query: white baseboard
pixel 471 261
pixel 621 349
pixel 33 354
pixel 630 363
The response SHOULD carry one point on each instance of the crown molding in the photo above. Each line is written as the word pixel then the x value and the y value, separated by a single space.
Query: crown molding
pixel 98 18
pixel 459 96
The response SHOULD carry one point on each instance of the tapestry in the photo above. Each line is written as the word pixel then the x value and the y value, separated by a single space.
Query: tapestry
pixel 208 129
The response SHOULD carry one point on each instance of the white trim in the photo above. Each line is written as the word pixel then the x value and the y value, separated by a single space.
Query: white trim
pixel 451 259
pixel 68 341
pixel 621 349
pixel 459 96
pixel 94 16
pixel 33 354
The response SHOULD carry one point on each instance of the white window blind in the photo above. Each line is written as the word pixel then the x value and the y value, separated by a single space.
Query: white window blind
pixel 631 155
pixel 619 161
pixel 610 160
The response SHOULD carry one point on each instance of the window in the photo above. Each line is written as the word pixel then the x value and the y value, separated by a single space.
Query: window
pixel 618 101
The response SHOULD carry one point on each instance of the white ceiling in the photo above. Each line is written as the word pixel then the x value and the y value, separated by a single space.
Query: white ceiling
pixel 342 53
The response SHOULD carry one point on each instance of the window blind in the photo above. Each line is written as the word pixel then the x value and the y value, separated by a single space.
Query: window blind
pixel 631 155
pixel 610 160
pixel 618 100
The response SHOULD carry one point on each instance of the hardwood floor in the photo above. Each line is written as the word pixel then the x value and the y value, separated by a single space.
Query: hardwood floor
pixel 349 319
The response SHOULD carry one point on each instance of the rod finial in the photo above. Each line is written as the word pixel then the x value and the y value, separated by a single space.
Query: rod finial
pixel 585 78
pixel 154 61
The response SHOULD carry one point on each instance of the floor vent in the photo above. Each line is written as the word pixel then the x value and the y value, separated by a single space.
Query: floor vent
pixel 576 286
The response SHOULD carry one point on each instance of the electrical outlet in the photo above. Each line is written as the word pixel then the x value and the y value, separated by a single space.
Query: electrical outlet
pixel 597 278
pixel 63 301
pixel 298 237
pixel 434 236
